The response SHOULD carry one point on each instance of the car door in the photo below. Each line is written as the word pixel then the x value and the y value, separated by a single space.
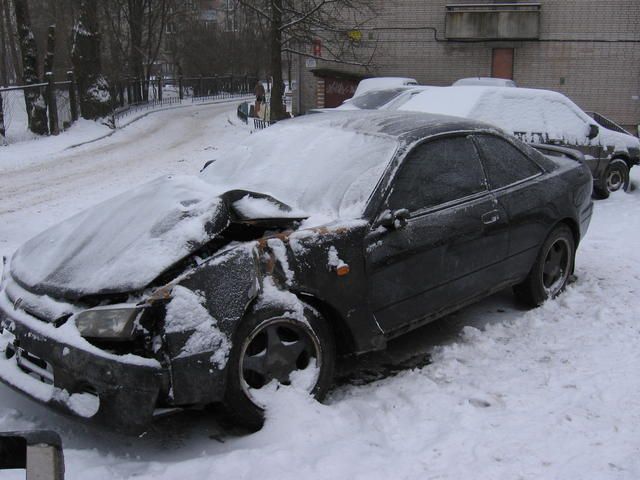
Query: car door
pixel 514 181
pixel 570 129
pixel 450 245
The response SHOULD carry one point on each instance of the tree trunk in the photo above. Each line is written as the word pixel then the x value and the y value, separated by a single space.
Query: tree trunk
pixel 34 100
pixel 136 16
pixel 11 41
pixel 51 47
pixel 93 89
pixel 2 130
pixel 4 60
pixel 277 112
pixel 52 102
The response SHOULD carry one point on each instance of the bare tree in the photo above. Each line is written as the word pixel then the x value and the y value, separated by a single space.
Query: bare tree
pixel 8 44
pixel 291 25
pixel 95 99
pixel 135 31
pixel 34 100
pixel 4 53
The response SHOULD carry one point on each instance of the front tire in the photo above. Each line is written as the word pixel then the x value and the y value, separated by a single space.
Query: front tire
pixel 270 346
pixel 551 270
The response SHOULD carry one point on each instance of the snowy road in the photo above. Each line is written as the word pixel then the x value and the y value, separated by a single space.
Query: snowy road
pixel 547 394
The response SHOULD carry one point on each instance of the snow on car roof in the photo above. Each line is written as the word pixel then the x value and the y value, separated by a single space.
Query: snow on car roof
pixel 397 124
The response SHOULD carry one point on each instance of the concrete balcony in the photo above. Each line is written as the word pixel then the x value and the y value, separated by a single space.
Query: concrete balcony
pixel 493 21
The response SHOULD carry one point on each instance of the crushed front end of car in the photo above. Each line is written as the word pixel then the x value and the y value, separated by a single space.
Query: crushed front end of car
pixel 44 355
pixel 119 356
pixel 120 364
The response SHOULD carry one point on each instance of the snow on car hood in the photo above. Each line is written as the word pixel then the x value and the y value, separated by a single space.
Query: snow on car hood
pixel 124 243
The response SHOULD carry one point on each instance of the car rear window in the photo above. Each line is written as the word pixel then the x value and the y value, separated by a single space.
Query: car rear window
pixel 376 99
pixel 504 163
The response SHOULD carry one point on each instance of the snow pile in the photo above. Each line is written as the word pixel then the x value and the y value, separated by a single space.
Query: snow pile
pixel 273 296
pixel 309 167
pixel 334 261
pixel 279 250
pixel 123 243
pixel 15 117
pixel 186 313
pixel 261 208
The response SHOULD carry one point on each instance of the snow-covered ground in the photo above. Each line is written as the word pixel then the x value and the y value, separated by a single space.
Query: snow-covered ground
pixel 493 392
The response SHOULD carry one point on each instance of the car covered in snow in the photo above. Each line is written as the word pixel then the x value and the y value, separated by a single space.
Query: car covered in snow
pixel 484 82
pixel 382 83
pixel 383 99
pixel 541 116
pixel 320 236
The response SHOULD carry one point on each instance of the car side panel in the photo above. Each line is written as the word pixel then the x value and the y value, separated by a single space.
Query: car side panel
pixel 313 257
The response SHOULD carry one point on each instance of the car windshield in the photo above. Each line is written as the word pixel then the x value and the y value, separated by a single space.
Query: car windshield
pixel 320 170
pixel 376 99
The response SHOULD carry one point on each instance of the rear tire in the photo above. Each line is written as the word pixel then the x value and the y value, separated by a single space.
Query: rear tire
pixel 551 271
pixel 269 345
pixel 614 179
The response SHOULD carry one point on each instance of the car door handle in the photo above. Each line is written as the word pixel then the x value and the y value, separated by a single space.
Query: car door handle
pixel 490 217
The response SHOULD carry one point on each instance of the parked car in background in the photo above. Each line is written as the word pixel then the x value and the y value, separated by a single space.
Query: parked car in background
pixel 385 99
pixel 541 116
pixel 322 235
pixel 382 83
pixel 484 82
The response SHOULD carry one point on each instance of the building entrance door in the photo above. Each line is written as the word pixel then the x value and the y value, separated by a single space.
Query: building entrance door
pixel 502 63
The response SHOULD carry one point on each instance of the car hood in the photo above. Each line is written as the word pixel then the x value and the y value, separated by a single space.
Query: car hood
pixel 124 243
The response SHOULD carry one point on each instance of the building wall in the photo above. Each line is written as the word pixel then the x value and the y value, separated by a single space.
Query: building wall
pixel 580 53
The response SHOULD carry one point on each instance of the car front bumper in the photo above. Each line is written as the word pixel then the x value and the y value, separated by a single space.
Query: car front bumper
pixel 57 367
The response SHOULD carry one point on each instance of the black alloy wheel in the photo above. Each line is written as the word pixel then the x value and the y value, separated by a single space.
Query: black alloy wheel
pixel 552 268
pixel 273 345
pixel 273 351
pixel 557 264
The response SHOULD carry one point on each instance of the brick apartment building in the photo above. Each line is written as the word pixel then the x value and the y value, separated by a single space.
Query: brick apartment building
pixel 587 49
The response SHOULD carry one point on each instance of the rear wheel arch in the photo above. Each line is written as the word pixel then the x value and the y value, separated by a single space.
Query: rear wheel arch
pixel 573 226
pixel 621 156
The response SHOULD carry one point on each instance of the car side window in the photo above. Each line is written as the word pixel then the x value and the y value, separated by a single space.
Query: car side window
pixel 437 172
pixel 504 163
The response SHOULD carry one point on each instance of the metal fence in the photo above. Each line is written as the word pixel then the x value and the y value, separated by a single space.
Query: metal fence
pixel 60 103
pixel 132 95
pixel 128 96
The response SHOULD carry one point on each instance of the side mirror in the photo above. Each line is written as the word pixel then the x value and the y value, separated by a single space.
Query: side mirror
pixel 39 453
pixel 394 220
pixel 594 130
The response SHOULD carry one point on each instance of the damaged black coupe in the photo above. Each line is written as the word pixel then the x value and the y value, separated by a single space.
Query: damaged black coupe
pixel 320 236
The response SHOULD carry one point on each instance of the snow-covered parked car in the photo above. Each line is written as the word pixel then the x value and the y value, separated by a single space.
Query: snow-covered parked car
pixel 382 83
pixel 322 235
pixel 484 82
pixel 541 116
pixel 384 99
